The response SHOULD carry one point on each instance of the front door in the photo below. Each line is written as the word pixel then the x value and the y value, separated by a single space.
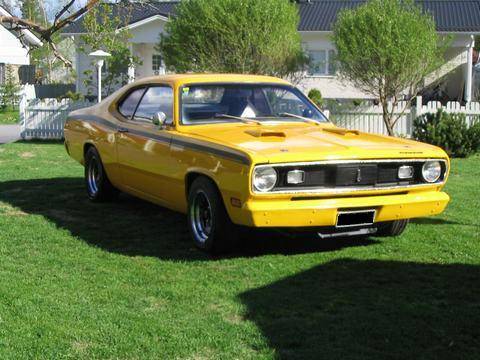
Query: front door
pixel 143 148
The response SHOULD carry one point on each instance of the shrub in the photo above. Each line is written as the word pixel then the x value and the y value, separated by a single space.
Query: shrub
pixel 316 96
pixel 474 136
pixel 448 131
pixel 248 36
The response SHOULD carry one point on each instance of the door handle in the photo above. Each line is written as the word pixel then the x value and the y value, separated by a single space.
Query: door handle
pixel 122 130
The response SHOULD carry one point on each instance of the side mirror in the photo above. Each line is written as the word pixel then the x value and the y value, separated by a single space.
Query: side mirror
pixel 159 118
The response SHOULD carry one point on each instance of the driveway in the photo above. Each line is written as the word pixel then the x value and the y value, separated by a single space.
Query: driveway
pixel 9 133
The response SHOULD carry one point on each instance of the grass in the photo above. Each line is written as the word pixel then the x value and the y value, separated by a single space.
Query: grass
pixel 123 281
pixel 9 116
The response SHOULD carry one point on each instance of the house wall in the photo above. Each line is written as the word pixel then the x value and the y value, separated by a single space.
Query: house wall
pixel 330 86
pixel 451 74
pixel 143 40
pixel 11 49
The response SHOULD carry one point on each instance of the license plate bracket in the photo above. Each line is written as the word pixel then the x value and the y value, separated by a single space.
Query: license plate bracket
pixel 355 218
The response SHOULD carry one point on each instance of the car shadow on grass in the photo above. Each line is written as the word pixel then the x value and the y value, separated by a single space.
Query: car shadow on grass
pixel 350 309
pixel 130 226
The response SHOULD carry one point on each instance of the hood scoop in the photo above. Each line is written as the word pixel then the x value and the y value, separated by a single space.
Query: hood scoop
pixel 262 133
pixel 341 131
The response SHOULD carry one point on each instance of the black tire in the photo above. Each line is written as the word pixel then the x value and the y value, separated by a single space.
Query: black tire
pixel 99 188
pixel 392 228
pixel 208 220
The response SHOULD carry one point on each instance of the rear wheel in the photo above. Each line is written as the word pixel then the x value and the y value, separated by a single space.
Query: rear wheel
pixel 99 188
pixel 392 228
pixel 208 220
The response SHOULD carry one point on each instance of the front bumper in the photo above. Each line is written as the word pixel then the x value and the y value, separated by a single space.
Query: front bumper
pixel 323 211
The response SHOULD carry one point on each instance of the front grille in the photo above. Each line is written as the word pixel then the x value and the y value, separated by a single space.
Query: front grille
pixel 360 174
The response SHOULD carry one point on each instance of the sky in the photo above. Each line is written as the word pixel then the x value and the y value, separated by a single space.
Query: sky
pixel 51 6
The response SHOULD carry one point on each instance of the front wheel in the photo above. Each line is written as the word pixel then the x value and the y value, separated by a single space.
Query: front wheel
pixel 209 224
pixel 392 228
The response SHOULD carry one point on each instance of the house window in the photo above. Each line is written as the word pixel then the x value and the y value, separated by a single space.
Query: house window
pixel 156 62
pixel 322 63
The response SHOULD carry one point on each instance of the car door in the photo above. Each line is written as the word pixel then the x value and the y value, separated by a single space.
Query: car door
pixel 143 148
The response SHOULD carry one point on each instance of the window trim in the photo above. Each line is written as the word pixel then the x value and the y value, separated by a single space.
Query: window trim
pixel 327 64
pixel 180 92
pixel 145 87
pixel 148 87
pixel 126 95
pixel 161 62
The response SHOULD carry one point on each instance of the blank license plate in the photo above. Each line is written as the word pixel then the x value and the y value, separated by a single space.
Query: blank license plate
pixel 355 218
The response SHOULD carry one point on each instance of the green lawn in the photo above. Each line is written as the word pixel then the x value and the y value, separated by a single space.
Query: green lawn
pixel 123 281
pixel 9 116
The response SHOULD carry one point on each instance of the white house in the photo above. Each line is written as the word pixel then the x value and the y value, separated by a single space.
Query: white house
pixel 12 50
pixel 459 18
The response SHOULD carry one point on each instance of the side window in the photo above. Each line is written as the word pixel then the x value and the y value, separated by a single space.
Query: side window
pixel 156 99
pixel 129 104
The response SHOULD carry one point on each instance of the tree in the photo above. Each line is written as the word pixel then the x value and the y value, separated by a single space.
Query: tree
pixel 248 36
pixel 102 32
pixel 34 11
pixel 9 90
pixel 43 57
pixel 386 48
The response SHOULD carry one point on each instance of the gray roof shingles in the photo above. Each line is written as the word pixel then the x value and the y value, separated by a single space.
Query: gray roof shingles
pixel 320 15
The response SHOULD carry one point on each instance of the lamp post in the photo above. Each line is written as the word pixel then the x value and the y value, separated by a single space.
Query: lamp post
pixel 100 57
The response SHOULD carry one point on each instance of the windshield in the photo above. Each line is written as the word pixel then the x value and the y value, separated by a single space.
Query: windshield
pixel 214 103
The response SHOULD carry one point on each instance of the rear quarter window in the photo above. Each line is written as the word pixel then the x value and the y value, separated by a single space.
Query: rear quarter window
pixel 129 104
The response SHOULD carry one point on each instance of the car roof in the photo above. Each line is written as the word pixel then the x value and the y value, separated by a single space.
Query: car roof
pixel 182 79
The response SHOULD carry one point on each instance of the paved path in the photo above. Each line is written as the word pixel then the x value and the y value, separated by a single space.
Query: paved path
pixel 9 133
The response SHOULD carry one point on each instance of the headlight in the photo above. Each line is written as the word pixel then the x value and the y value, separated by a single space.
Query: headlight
pixel 431 171
pixel 264 178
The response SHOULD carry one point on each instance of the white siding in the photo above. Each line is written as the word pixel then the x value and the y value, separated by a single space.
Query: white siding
pixel 11 49
pixel 331 87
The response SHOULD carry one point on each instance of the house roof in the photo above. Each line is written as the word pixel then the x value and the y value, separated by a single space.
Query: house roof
pixel 135 12
pixel 320 15
pixel 31 38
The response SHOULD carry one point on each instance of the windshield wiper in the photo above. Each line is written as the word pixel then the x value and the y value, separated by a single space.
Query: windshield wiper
pixel 242 119
pixel 307 120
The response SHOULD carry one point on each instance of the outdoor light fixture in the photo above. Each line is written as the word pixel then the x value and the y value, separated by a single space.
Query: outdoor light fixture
pixel 100 57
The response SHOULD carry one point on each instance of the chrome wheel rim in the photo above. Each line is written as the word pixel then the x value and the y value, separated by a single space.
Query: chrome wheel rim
pixel 93 177
pixel 201 217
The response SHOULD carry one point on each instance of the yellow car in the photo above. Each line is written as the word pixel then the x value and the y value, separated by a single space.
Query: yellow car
pixel 252 151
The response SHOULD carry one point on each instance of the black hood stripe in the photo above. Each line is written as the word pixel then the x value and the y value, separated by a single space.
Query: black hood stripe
pixel 173 140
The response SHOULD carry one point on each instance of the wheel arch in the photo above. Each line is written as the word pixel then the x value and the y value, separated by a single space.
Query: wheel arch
pixel 86 147
pixel 191 176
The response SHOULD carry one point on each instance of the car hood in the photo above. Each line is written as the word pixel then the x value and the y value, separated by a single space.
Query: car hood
pixel 276 143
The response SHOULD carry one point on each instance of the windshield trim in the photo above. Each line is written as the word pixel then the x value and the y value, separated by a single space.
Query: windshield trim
pixel 208 121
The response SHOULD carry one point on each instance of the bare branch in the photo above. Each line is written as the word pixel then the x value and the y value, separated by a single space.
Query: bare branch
pixel 59 55
pixel 46 33
pixel 22 24
pixel 65 9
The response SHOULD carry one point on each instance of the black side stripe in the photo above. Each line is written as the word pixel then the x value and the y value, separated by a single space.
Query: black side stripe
pixel 226 152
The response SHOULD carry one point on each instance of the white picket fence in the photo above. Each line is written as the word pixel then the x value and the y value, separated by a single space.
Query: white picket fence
pixel 45 119
pixel 370 118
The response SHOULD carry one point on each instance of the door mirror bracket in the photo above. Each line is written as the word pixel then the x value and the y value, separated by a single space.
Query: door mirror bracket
pixel 159 119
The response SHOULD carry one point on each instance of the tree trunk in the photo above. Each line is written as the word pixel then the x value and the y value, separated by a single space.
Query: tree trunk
pixel 387 119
